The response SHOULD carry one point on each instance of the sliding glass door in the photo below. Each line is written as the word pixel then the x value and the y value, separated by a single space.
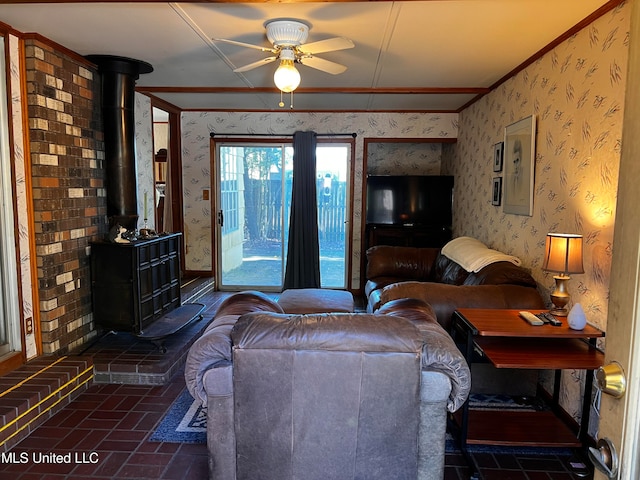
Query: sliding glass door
pixel 253 197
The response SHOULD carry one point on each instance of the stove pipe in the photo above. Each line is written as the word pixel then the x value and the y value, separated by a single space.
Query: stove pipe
pixel 119 75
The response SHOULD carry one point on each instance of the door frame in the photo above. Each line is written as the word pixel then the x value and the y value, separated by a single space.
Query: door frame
pixel 12 283
pixel 620 417
pixel 279 140
pixel 174 147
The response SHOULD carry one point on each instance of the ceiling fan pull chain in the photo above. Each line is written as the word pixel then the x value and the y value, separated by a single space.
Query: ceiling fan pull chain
pixel 291 106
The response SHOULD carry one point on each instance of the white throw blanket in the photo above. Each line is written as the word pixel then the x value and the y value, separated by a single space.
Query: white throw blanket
pixel 473 255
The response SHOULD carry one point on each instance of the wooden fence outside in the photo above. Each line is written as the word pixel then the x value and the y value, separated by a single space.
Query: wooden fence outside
pixel 263 202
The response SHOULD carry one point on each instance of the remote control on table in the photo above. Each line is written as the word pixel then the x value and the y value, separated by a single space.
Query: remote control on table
pixel 542 317
pixel 551 319
pixel 531 318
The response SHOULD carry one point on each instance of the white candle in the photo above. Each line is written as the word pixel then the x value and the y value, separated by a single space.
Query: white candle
pixel 145 205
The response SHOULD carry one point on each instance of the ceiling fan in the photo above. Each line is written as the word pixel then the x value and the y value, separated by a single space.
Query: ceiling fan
pixel 288 38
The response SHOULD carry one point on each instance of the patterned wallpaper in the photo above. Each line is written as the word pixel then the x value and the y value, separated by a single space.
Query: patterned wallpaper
pixel 196 159
pixel 25 228
pixel 404 158
pixel 576 93
pixel 144 160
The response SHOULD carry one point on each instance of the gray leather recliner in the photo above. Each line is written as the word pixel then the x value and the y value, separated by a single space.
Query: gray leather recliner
pixel 326 396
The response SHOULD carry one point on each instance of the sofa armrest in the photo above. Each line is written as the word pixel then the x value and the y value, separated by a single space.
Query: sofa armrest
pixel 439 352
pixel 435 388
pixel 221 435
pixel 211 350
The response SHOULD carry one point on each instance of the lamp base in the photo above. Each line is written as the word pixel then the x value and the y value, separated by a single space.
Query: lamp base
pixel 560 296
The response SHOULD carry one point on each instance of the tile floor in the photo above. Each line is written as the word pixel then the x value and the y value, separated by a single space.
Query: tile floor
pixel 110 425
pixel 105 432
pixel 104 435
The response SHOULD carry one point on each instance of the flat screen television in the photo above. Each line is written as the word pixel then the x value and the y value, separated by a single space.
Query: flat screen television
pixel 410 200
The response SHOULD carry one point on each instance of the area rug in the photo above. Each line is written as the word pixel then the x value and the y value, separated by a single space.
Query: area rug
pixel 185 422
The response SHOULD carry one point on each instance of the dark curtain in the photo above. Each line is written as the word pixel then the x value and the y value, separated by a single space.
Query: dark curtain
pixel 303 250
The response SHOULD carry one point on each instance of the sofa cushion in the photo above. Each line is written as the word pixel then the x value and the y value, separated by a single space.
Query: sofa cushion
pixel 445 299
pixel 334 332
pixel 316 300
pixel 447 271
pixel 501 273
pixel 412 263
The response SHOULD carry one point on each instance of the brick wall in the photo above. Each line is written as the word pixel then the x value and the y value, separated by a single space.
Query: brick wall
pixel 67 156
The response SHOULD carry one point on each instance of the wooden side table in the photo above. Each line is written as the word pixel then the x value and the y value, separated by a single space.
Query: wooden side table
pixel 508 341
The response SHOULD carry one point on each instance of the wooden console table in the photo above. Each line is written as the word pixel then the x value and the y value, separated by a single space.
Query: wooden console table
pixel 508 341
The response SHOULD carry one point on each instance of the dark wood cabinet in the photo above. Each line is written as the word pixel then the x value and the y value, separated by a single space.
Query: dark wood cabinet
pixel 133 284
pixel 407 235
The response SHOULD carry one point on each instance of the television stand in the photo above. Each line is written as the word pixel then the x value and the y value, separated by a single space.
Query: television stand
pixel 407 235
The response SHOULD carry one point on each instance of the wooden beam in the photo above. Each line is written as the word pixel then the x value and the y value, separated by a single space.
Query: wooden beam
pixel 350 91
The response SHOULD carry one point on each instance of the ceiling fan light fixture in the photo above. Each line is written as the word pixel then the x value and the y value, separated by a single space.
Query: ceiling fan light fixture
pixel 288 38
pixel 285 33
pixel 286 76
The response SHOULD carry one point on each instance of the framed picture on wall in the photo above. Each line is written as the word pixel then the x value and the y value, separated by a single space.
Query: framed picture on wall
pixel 498 149
pixel 496 194
pixel 519 166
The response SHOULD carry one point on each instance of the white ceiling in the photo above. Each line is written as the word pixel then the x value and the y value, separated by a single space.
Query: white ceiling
pixel 457 48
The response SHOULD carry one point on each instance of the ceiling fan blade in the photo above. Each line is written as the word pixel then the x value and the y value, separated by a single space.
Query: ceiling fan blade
pixel 253 65
pixel 247 45
pixel 322 64
pixel 328 45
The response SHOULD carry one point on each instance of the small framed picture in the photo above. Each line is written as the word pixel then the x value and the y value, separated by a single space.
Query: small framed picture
pixel 498 152
pixel 496 195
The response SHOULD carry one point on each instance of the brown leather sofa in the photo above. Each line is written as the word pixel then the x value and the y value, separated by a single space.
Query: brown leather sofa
pixel 344 395
pixel 424 273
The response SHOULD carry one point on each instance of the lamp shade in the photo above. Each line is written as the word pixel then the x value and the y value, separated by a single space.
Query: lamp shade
pixel 563 253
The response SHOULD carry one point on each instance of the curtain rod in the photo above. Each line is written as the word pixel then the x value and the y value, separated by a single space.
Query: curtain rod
pixel 213 134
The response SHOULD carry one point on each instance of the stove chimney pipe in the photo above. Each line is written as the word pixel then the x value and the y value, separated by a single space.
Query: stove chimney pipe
pixel 119 75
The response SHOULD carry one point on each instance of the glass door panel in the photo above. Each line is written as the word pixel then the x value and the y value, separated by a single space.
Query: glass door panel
pixel 251 219
pixel 332 163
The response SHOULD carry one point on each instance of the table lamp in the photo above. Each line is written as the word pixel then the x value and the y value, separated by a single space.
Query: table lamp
pixel 562 254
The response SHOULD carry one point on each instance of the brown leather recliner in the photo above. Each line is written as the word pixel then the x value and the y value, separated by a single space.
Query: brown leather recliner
pixel 327 396
pixel 426 274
